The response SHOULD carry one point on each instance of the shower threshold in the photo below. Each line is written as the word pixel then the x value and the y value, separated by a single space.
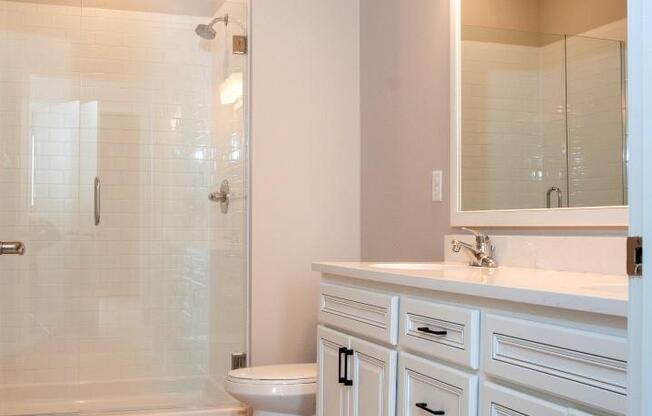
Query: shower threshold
pixel 180 397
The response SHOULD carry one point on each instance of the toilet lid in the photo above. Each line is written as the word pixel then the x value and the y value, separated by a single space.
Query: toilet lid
pixel 300 373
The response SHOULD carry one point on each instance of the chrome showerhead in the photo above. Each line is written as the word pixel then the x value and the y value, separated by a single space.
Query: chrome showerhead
pixel 208 31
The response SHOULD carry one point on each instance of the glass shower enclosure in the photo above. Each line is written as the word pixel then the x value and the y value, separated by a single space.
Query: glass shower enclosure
pixel 117 121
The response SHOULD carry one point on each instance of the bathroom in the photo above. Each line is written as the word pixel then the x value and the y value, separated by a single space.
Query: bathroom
pixel 201 199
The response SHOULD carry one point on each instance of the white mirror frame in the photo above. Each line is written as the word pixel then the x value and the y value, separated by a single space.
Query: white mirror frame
pixel 561 217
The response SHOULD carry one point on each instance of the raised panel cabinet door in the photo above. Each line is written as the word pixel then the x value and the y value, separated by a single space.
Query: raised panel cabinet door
pixel 585 367
pixel 333 395
pixel 427 388
pixel 373 372
pixel 497 400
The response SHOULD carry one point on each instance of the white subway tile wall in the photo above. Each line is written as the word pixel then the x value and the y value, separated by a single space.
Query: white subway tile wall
pixel 595 122
pixel 514 132
pixel 156 294
pixel 502 140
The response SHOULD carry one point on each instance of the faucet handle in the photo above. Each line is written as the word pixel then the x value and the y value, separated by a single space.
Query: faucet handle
pixel 480 237
pixel 474 232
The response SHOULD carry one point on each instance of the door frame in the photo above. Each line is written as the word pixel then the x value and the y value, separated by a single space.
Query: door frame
pixel 640 201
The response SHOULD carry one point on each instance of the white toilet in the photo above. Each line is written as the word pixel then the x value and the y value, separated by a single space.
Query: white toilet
pixel 275 390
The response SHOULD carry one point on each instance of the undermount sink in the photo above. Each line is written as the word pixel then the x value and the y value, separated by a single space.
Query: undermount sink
pixel 415 266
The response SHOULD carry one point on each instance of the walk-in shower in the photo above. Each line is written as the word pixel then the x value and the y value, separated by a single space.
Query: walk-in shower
pixel 142 310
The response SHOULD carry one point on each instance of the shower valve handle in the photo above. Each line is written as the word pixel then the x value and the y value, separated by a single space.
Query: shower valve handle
pixel 12 247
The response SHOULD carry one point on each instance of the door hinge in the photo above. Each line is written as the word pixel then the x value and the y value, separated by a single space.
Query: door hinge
pixel 238 360
pixel 635 256
pixel 240 46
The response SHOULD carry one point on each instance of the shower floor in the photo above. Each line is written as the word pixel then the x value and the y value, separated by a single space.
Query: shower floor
pixel 150 398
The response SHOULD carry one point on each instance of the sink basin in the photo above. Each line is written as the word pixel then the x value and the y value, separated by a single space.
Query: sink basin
pixel 415 266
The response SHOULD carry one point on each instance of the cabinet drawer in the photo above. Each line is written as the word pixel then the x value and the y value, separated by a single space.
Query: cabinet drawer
pixel 581 366
pixel 425 386
pixel 359 311
pixel 441 331
pixel 497 400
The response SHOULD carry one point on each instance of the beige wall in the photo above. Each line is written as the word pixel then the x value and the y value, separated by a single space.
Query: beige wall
pixel 505 14
pixel 405 132
pixel 580 16
pixel 305 165
pixel 548 16
pixel 405 127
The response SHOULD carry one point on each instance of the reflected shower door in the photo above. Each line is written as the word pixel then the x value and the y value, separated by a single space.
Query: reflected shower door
pixel 596 122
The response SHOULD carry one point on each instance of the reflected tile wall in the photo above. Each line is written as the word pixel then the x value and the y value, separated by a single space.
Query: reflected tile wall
pixel 502 138
pixel 516 126
pixel 595 122
pixel 128 97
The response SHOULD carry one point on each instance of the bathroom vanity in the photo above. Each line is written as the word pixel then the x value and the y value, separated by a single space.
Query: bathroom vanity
pixel 448 339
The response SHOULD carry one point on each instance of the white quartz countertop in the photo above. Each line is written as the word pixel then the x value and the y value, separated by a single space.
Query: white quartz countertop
pixel 587 292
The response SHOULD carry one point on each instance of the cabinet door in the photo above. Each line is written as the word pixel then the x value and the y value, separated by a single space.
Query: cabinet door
pixel 373 372
pixel 428 388
pixel 501 401
pixel 332 395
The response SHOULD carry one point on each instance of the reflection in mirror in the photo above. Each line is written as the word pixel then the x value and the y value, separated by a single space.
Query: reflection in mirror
pixel 542 101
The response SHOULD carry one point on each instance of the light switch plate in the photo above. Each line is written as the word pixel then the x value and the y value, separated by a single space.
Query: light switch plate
pixel 437 183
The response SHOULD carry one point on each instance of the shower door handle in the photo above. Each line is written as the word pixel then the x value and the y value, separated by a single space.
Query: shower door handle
pixel 97 200
pixel 549 197
pixel 12 247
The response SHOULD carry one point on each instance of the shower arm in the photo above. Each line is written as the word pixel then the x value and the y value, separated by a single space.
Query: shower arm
pixel 227 20
pixel 224 19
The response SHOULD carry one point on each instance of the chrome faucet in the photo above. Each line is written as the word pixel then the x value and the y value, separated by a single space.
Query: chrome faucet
pixel 482 252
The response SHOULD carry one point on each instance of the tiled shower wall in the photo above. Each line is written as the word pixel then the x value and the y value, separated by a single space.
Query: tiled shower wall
pixel 595 122
pixel 514 122
pixel 133 98
pixel 502 151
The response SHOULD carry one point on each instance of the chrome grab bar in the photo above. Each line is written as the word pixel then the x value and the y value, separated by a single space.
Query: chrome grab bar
pixel 12 247
pixel 549 197
pixel 97 200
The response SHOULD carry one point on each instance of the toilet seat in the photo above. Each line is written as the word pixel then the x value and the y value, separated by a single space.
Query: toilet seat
pixel 276 390
pixel 289 374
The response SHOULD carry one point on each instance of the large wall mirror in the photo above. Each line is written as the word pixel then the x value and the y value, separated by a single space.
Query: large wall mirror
pixel 540 121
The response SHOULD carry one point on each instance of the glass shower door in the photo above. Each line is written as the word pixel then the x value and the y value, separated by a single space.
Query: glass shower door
pixel 116 123
pixel 39 205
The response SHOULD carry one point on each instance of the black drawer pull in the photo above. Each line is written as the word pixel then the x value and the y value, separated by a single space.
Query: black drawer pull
pixel 340 378
pixel 431 332
pixel 344 379
pixel 424 406
pixel 347 354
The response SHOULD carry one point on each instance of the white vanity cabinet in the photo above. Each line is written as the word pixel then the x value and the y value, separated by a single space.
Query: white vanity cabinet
pixel 387 349
pixel 356 377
